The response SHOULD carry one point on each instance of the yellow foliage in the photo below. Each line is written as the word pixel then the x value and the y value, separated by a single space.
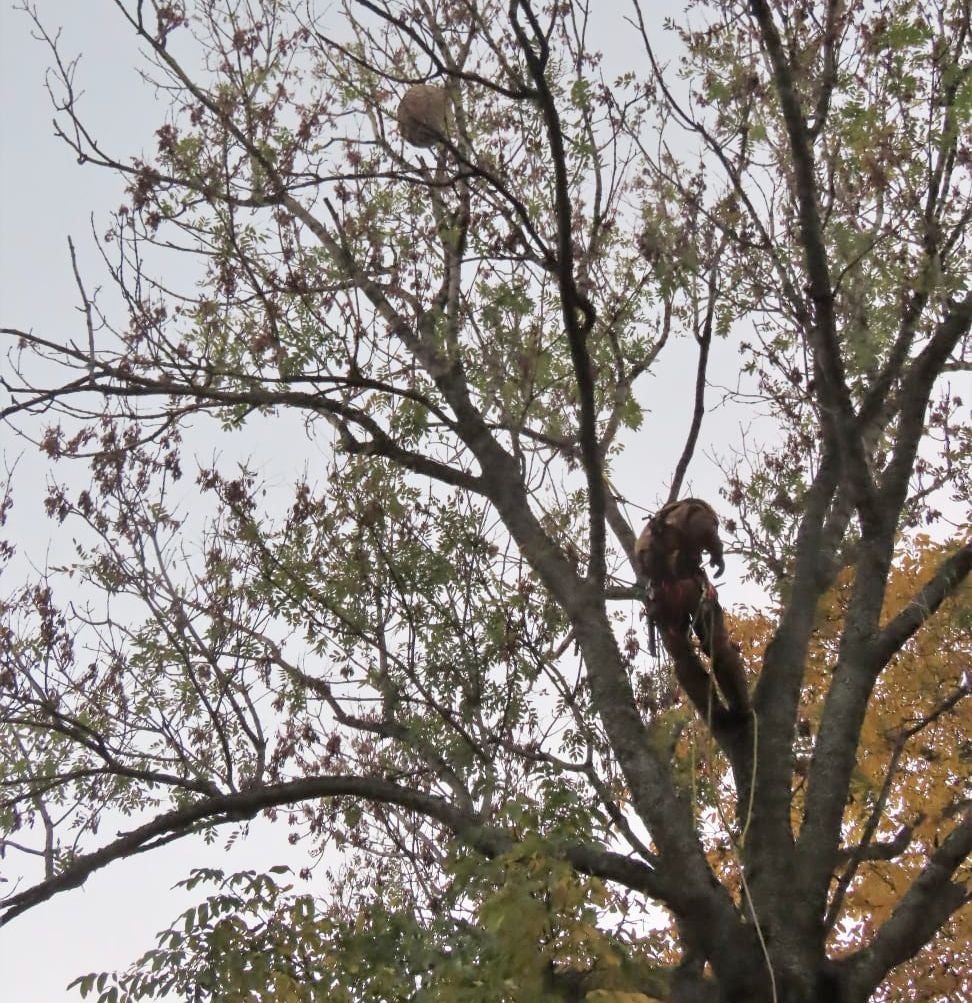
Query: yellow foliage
pixel 932 772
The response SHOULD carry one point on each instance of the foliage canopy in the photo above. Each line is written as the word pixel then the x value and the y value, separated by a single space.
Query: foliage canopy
pixel 425 653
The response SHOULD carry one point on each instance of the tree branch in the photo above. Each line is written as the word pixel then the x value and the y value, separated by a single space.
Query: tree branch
pixel 926 906
pixel 247 804
pixel 915 392
pixel 828 78
pixel 866 850
pixel 578 313
pixel 777 694
pixel 946 580
pixel 837 413
pixel 879 849
pixel 705 342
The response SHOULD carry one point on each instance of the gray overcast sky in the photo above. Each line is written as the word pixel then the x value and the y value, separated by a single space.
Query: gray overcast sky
pixel 44 197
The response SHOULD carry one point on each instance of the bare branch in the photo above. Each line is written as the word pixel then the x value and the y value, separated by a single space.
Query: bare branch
pixel 705 341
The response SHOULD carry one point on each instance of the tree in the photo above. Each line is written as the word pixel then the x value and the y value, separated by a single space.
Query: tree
pixel 419 654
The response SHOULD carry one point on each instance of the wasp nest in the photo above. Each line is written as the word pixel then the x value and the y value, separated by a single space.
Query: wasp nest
pixel 423 115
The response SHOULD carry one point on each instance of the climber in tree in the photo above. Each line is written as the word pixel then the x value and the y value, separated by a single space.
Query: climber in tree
pixel 682 600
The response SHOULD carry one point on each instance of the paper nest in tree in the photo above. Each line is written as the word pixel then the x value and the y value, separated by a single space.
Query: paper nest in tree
pixel 423 115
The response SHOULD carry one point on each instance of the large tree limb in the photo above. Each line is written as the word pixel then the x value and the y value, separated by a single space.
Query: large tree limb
pixel 244 805
pixel 835 752
pixel 777 694
pixel 859 661
pixel 126 384
pixel 915 393
pixel 925 603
